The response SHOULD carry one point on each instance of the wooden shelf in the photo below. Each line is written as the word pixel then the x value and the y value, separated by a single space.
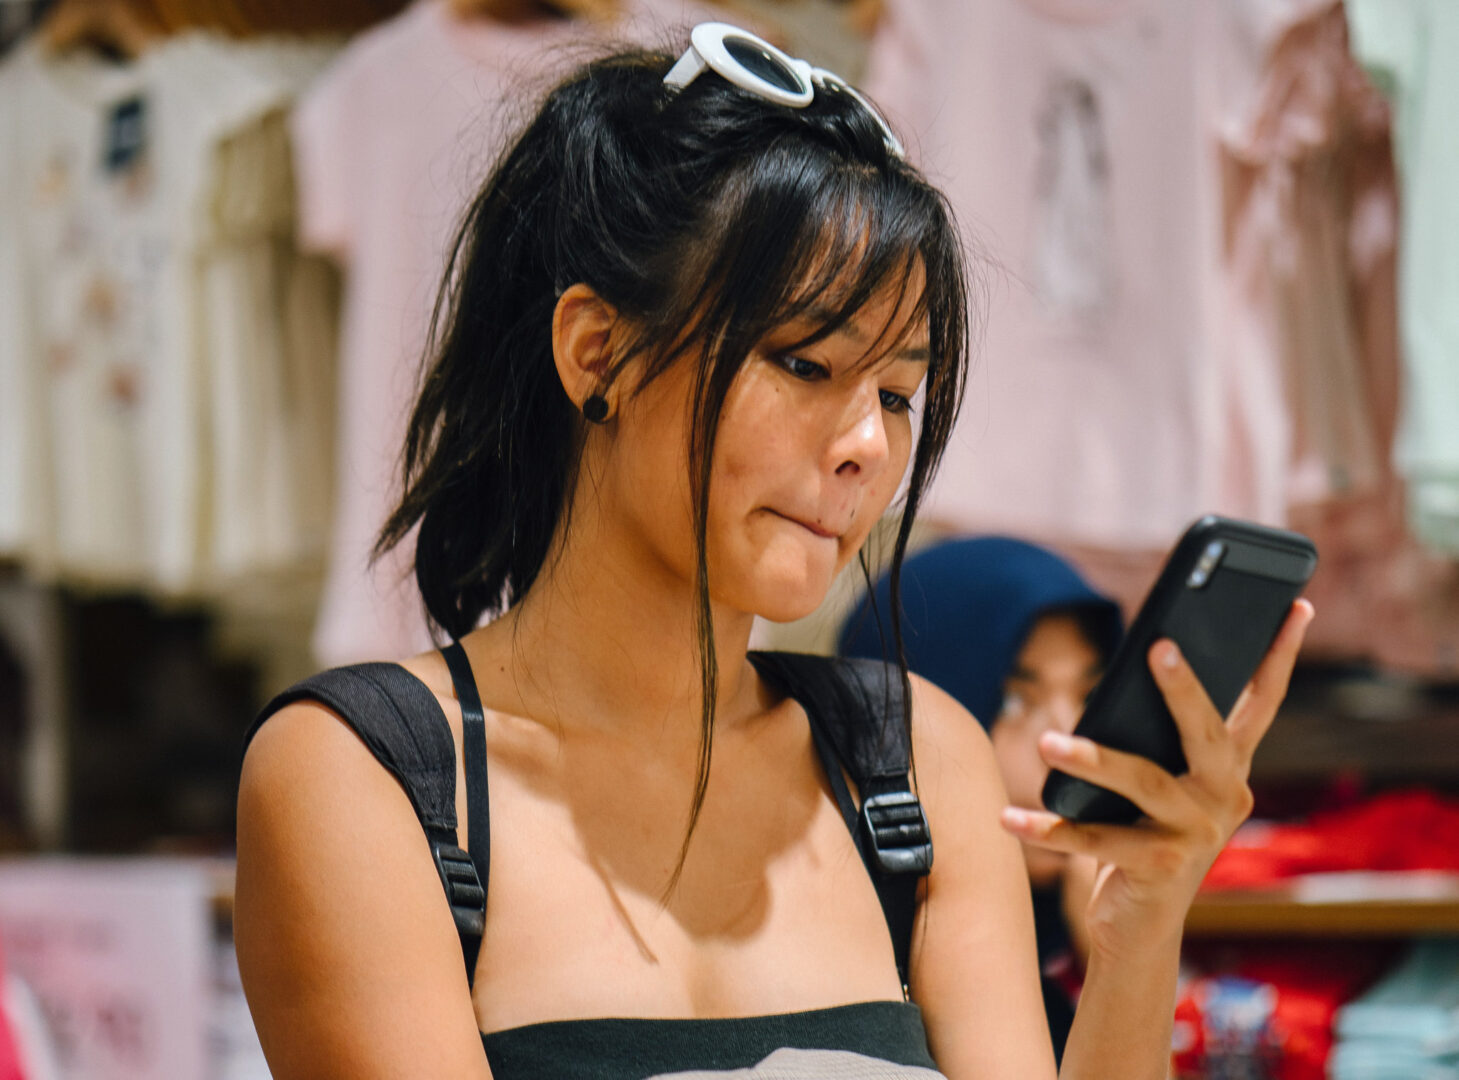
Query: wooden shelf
pixel 1386 730
pixel 1362 905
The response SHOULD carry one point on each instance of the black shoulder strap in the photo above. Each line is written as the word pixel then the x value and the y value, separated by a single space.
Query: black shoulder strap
pixel 856 713
pixel 473 750
pixel 399 720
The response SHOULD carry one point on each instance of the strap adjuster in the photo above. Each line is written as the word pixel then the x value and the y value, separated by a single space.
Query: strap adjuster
pixel 898 831
pixel 463 888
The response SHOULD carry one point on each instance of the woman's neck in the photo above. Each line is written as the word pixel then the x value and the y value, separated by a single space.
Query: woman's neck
pixel 608 637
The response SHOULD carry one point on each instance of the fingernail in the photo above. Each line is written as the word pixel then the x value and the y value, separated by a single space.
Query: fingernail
pixel 1169 656
pixel 1058 742
pixel 1015 817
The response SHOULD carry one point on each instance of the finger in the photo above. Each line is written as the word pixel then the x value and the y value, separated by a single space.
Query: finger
pixel 1138 779
pixel 1203 733
pixel 1141 849
pixel 1257 707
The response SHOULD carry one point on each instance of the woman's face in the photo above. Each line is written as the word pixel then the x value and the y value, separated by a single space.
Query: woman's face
pixel 811 448
pixel 1045 691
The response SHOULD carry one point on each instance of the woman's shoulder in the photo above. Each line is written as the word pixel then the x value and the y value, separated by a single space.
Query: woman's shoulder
pixel 942 727
pixel 957 776
pixel 358 726
pixel 312 743
pixel 354 693
pixel 974 968
pixel 343 935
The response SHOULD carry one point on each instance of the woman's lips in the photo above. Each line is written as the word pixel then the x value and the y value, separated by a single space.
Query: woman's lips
pixel 808 526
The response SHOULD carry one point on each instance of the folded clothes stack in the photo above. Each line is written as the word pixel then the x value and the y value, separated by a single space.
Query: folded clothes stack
pixel 1267 1011
pixel 1406 830
pixel 1406 1027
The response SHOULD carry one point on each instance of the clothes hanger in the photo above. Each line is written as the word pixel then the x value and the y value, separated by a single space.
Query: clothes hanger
pixel 864 16
pixel 123 29
pixel 516 11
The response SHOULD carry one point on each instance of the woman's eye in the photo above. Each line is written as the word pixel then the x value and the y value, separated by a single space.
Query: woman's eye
pixel 894 402
pixel 1013 705
pixel 802 368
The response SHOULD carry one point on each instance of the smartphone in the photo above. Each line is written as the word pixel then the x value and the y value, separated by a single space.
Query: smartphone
pixel 1223 595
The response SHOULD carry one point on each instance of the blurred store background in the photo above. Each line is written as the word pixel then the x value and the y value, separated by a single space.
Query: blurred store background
pixel 1219 257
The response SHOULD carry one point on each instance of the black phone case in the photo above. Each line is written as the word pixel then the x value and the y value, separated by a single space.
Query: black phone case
pixel 1223 626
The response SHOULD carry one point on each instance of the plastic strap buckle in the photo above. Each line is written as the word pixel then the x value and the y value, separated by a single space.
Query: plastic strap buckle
pixel 898 831
pixel 463 889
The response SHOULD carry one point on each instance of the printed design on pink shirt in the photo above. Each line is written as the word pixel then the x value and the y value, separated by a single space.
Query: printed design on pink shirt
pixel 1072 257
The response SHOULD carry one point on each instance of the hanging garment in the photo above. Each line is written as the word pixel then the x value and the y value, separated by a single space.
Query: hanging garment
pixel 1117 393
pixel 391 145
pixel 1310 211
pixel 17 431
pixel 274 315
pixel 1407 45
pixel 112 169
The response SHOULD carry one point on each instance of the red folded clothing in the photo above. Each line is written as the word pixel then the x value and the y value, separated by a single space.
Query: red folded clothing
pixel 1400 830
pixel 1267 1010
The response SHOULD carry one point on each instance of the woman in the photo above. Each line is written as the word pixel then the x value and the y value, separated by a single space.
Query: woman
pixel 1019 639
pixel 690 311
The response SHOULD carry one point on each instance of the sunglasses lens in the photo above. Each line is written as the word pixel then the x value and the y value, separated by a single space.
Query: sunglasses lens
pixel 754 58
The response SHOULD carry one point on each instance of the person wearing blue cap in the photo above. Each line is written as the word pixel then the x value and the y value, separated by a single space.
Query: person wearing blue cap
pixel 1019 639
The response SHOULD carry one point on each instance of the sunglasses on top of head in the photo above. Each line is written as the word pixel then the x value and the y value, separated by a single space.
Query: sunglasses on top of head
pixel 754 65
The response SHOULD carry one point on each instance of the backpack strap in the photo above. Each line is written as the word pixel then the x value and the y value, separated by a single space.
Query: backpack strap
pixel 473 751
pixel 398 718
pixel 855 709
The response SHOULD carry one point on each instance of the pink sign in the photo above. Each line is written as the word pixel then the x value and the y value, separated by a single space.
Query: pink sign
pixel 119 954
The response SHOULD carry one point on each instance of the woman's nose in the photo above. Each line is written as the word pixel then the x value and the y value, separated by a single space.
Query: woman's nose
pixel 1064 711
pixel 861 445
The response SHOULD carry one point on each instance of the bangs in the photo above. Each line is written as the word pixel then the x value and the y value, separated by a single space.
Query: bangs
pixel 810 242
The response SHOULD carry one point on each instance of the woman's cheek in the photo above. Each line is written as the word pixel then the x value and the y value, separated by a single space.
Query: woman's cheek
pixel 758 409
pixel 899 453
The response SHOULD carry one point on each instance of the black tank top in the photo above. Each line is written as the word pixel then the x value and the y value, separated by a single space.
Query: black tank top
pixel 874 1040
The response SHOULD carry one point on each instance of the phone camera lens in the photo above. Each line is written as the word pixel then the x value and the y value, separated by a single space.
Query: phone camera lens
pixel 1206 564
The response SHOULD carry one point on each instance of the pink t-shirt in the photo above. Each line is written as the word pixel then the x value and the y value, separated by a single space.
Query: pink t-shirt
pixel 391 145
pixel 1115 395
pixel 1312 215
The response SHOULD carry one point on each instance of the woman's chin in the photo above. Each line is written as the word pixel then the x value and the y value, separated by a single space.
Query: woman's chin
pixel 785 613
pixel 784 580
pixel 787 598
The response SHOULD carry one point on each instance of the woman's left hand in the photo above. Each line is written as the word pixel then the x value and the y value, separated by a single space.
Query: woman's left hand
pixel 1150 871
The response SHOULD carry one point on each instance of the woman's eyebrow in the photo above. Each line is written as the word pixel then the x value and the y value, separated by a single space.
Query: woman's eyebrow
pixel 818 316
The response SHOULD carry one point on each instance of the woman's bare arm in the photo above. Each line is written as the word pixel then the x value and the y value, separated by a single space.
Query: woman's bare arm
pixel 348 952
pixel 1150 871
pixel 974 965
pixel 974 961
pixel 1079 876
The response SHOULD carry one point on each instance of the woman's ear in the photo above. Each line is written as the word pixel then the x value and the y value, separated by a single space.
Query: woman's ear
pixel 582 326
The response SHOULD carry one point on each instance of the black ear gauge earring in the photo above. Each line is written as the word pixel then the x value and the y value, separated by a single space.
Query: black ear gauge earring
pixel 595 409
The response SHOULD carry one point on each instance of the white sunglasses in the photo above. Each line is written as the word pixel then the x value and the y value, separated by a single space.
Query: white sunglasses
pixel 753 64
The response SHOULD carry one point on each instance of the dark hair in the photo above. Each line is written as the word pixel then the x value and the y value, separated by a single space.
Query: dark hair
pixel 706 217
pixel 1100 624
